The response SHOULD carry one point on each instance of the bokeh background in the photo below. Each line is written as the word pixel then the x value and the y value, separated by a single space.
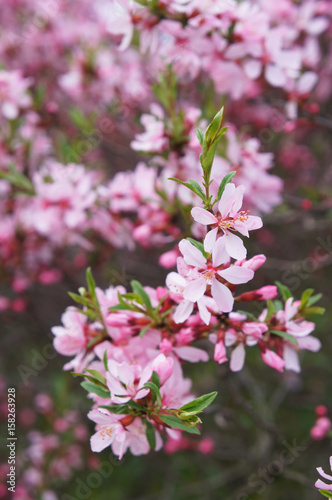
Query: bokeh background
pixel 259 413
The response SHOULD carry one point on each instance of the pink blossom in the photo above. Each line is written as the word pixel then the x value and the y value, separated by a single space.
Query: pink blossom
pixel 228 219
pixel 109 429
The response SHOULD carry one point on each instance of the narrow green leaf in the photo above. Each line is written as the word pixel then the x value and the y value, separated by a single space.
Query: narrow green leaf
pixel 305 297
pixel 144 330
pixel 155 391
pixel 198 189
pixel 80 300
pixel 226 180
pixel 284 290
pixel 105 360
pixel 96 389
pixel 270 309
pixel 150 433
pixel 118 409
pixel 314 311
pixel 91 284
pixel 198 404
pixel 134 405
pixel 200 136
pixel 139 290
pixel 314 299
pixel 175 422
pixel 155 379
pixel 189 186
pixel 97 375
pixel 285 335
pixel 326 493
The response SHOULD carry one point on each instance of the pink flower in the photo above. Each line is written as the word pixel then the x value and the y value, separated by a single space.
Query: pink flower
pixel 208 272
pixel 228 219
pixel 319 483
pixel 109 429
pixel 126 381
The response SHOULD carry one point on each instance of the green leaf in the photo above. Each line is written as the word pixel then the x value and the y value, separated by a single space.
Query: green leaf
pixel 97 376
pixel 314 311
pixel 270 309
pixel 305 297
pixel 200 136
pixel 118 409
pixel 144 330
pixel 155 379
pixel 91 284
pixel 155 392
pixel 226 180
pixel 175 422
pixel 96 389
pixel 213 131
pixel 284 290
pixel 91 379
pixel 150 433
pixel 139 290
pixel 105 360
pixel 285 335
pixel 189 186
pixel 80 300
pixel 198 404
pixel 314 299
pixel 134 405
pixel 326 493
pixel 198 189
pixel 198 245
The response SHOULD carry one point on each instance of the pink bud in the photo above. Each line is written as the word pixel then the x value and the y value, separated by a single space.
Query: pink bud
pixel 267 292
pixel 168 259
pixel 324 423
pixel 4 303
pixel 321 411
pixel 142 235
pixel 49 276
pixel 220 352
pixel 18 305
pixel 272 359
pixel 163 366
pixel 206 446
pixel 256 262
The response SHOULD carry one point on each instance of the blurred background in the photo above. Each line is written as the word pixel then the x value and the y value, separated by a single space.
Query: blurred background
pixel 85 100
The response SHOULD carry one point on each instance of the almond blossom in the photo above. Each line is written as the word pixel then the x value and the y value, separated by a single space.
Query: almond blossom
pixel 228 219
pixel 206 273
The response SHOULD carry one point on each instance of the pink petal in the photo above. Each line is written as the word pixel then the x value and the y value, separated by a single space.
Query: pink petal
pixel 203 311
pixel 323 474
pixel 192 354
pixel 101 439
pixel 191 254
pixel 310 343
pixel 203 216
pixel 183 311
pixel 275 76
pixel 222 295
pixel 210 239
pixel 237 275
pixel 195 290
pixel 237 358
pixel 227 199
pixel 291 359
pixel 323 486
pixel 234 246
pixel 219 253
pixel 253 222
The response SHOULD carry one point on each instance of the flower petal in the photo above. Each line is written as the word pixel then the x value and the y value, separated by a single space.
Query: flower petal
pixel 191 254
pixel 195 289
pixel 237 358
pixel 222 295
pixel 210 239
pixel 234 246
pixel 219 252
pixel 183 311
pixel 236 274
pixel 203 216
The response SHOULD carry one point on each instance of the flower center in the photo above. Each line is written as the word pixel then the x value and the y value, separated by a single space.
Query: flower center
pixel 105 431
pixel 209 275
pixel 229 222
